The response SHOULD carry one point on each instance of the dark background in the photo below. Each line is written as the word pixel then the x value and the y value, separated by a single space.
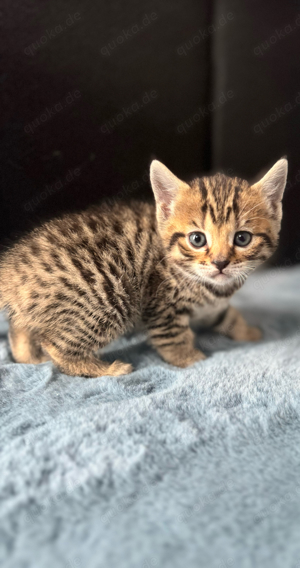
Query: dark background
pixel 91 91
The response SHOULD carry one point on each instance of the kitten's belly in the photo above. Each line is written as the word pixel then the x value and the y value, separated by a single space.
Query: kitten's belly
pixel 207 315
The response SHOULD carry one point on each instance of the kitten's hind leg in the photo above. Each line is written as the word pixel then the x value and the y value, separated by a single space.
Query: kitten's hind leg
pixel 82 365
pixel 25 346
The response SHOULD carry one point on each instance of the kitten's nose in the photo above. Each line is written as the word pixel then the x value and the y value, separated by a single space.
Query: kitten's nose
pixel 220 264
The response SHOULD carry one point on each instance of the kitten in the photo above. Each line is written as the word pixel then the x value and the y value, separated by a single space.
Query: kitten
pixel 78 282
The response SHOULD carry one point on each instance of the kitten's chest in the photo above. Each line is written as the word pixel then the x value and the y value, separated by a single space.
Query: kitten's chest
pixel 207 315
pixel 204 312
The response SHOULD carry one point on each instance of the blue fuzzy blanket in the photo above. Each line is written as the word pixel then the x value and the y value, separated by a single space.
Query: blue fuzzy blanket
pixel 164 467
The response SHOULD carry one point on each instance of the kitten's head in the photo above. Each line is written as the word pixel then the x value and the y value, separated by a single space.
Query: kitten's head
pixel 218 229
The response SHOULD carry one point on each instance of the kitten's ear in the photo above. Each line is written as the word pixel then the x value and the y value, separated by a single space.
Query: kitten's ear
pixel 273 183
pixel 165 186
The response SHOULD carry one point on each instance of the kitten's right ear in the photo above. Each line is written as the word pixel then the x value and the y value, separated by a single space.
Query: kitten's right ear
pixel 165 186
pixel 274 181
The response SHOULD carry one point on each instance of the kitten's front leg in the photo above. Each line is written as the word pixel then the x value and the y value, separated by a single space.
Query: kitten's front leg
pixel 170 334
pixel 234 325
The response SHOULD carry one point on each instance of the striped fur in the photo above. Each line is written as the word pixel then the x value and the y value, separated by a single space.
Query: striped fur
pixel 78 282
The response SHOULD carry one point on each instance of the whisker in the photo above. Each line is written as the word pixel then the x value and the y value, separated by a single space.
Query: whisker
pixel 254 207
pixel 252 218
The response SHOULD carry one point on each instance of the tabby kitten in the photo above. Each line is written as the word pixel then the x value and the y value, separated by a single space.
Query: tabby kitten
pixel 78 282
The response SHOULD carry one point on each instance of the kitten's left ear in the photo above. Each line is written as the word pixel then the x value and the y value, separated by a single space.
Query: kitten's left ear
pixel 165 186
pixel 273 183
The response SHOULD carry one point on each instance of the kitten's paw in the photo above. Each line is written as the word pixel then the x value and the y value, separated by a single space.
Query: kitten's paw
pixel 253 334
pixel 248 334
pixel 186 359
pixel 118 368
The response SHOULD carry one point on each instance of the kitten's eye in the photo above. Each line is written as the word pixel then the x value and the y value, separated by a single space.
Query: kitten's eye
pixel 197 239
pixel 242 238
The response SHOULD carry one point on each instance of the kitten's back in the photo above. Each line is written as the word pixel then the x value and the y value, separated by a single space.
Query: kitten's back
pixel 80 259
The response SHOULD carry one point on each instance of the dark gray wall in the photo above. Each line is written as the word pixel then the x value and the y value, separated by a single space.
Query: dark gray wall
pixel 98 87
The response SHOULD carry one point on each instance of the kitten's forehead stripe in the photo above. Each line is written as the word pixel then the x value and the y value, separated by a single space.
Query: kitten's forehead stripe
pixel 221 189
pixel 204 210
pixel 202 188
pixel 221 195
pixel 212 213
pixel 229 209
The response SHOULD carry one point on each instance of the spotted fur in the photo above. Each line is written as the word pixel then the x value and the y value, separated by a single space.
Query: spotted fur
pixel 78 282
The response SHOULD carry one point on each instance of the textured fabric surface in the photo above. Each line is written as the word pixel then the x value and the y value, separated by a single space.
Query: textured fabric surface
pixel 165 467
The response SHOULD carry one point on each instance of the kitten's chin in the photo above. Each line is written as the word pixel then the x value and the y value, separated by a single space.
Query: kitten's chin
pixel 221 280
pixel 221 277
